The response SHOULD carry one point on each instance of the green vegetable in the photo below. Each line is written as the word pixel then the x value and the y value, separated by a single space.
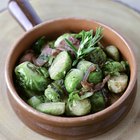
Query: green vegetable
pixel 54 91
pixel 95 76
pixel 97 102
pixel 98 56
pixel 83 65
pixel 117 84
pixel 73 80
pixel 62 38
pixel 86 95
pixel 77 106
pixel 74 75
pixel 51 44
pixel 113 52
pixel 126 67
pixel 88 41
pixel 38 45
pixel 31 78
pixel 52 95
pixel 61 64
pixel 52 108
pixel 113 68
pixel 35 100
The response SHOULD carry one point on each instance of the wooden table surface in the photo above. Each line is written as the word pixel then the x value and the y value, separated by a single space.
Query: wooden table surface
pixel 121 18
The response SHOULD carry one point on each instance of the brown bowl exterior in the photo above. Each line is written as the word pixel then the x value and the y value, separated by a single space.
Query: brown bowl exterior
pixel 70 127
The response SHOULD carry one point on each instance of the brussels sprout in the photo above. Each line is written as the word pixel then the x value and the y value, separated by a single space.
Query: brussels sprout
pixel 38 45
pixel 98 56
pixel 126 67
pixel 27 56
pixel 97 102
pixel 31 78
pixel 55 91
pixel 35 100
pixel 61 64
pixel 52 108
pixel 52 95
pixel 113 52
pixel 113 68
pixel 51 44
pixel 117 84
pixel 83 65
pixel 77 106
pixel 86 95
pixel 61 38
pixel 95 76
pixel 73 80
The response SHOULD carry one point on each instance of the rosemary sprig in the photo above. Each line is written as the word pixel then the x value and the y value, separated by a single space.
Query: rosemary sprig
pixel 87 43
pixel 71 46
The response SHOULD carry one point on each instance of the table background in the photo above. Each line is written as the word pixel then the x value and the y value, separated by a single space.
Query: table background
pixel 123 19
pixel 135 4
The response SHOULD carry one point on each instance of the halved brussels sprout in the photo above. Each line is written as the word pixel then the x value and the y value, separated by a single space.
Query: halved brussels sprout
pixel 86 95
pixel 31 78
pixel 52 108
pixel 52 95
pixel 117 84
pixel 83 65
pixel 61 64
pixel 73 80
pixel 34 101
pixel 95 76
pixel 61 38
pixel 113 52
pixel 98 102
pixel 77 106
pixel 113 68
pixel 98 56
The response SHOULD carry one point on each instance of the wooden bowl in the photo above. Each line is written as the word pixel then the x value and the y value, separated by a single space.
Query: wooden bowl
pixel 71 127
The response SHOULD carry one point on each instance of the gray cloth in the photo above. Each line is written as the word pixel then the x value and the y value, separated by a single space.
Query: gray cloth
pixel 134 4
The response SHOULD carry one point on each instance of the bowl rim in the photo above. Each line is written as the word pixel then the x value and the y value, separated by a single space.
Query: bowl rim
pixel 69 120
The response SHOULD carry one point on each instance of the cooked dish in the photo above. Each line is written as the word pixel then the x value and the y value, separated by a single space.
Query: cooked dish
pixel 74 75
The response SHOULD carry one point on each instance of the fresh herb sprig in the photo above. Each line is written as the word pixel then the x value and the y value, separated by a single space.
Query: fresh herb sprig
pixel 87 43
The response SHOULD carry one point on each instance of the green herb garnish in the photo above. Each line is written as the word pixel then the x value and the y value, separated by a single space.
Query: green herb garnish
pixel 88 41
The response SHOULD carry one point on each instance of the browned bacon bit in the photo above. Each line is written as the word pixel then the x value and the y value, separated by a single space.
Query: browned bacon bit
pixel 89 70
pixel 49 51
pixel 46 50
pixel 90 86
pixel 64 46
pixel 87 85
pixel 55 52
pixel 74 41
pixel 102 84
pixel 28 56
pixel 85 82
pixel 39 62
pixel 42 58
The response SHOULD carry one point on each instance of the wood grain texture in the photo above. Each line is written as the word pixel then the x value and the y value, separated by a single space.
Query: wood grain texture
pixel 121 18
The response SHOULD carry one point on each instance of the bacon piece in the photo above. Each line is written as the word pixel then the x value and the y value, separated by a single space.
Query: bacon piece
pixel 89 70
pixel 99 86
pixel 84 82
pixel 64 46
pixel 28 56
pixel 46 51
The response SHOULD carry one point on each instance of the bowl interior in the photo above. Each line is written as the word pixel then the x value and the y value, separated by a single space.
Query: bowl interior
pixel 52 29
